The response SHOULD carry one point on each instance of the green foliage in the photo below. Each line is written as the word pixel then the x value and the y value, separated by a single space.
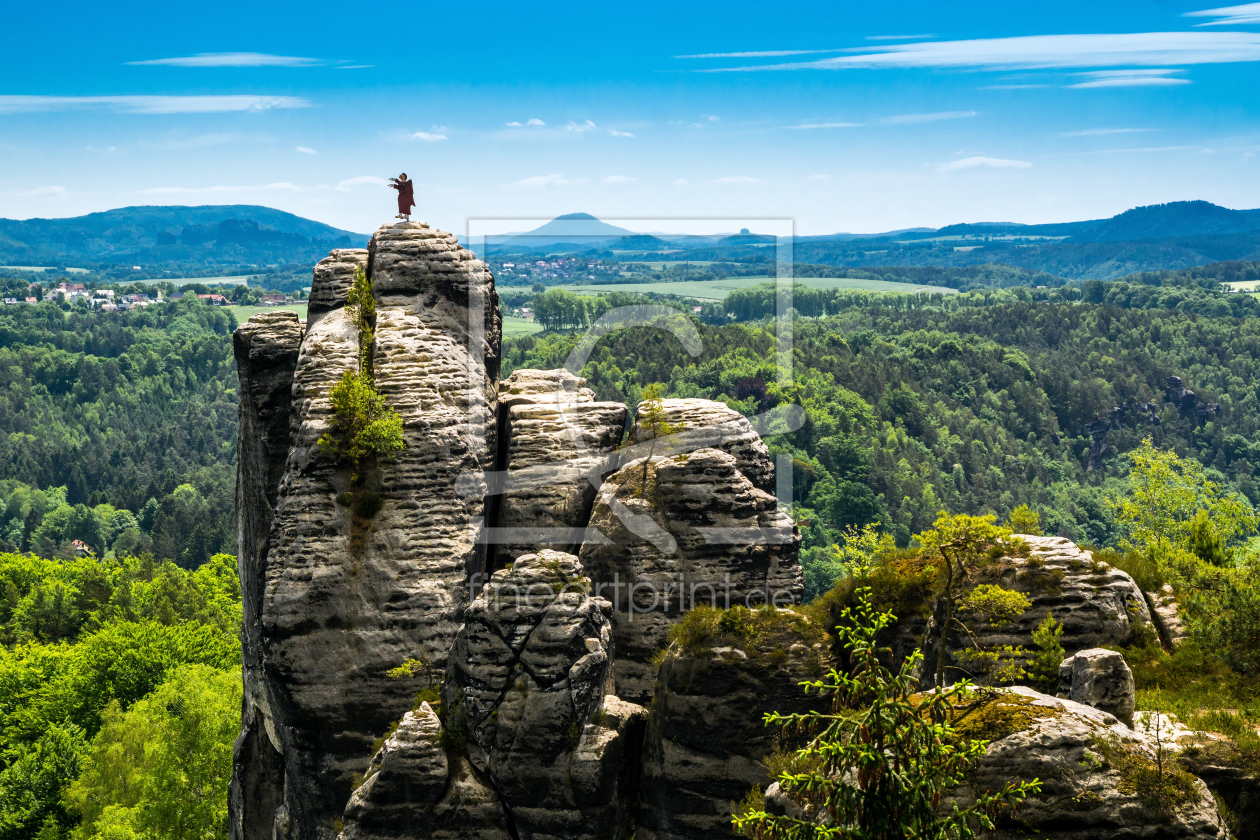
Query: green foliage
pixel 85 635
pixel 653 421
pixel 1160 783
pixel 1165 495
pixel 1043 669
pixel 754 631
pixel 363 424
pixel 879 763
pixel 162 767
pixel 1024 520
pixel 993 604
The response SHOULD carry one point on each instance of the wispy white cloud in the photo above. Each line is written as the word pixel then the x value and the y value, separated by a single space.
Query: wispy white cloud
pixel 711 117
pixel 976 162
pixel 346 185
pixel 681 182
pixel 735 179
pixel 615 133
pixel 1098 132
pixel 910 119
pixel 1130 78
pixel 236 59
pixel 513 124
pixel 1246 14
pixel 283 186
pixel 541 181
pixel 578 127
pixel 428 137
pixel 307 150
pixel 1044 51
pixel 827 125
pixel 617 179
pixel 535 121
pixel 1142 150
pixel 42 191
pixel 898 37
pixel 150 104
pixel 760 54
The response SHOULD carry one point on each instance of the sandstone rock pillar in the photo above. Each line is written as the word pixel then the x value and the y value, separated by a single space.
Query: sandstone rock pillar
pixel 358 582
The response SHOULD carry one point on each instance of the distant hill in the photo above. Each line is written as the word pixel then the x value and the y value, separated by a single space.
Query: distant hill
pixel 573 228
pixel 227 234
pixel 1179 218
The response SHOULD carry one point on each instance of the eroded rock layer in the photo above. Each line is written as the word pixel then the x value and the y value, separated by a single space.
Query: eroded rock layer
pixel 266 348
pixel 560 444
pixel 669 533
pixel 530 683
pixel 707 424
pixel 333 277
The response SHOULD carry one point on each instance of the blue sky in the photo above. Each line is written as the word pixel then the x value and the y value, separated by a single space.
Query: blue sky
pixel 841 116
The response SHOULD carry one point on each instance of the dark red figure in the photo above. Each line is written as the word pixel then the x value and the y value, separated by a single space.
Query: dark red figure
pixel 406 196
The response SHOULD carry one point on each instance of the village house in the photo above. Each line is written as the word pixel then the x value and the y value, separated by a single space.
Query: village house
pixel 214 300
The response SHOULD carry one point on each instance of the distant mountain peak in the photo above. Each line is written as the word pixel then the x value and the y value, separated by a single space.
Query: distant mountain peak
pixel 571 217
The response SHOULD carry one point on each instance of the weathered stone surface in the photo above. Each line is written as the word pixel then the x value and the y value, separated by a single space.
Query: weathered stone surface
pixel 1097 604
pixel 707 743
pixel 1084 796
pixel 559 446
pixel 1099 678
pixel 334 275
pixel 543 387
pixel 413 790
pixel 701 533
pixel 349 598
pixel 531 674
pixel 708 424
pixel 1167 617
pixel 266 348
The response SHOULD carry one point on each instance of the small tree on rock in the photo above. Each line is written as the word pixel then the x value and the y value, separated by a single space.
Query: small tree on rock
pixel 883 759
pixel 653 419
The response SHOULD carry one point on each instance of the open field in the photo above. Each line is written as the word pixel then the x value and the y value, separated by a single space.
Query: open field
pixel 719 289
pixel 44 268
pixel 1244 286
pixel 519 326
pixel 244 313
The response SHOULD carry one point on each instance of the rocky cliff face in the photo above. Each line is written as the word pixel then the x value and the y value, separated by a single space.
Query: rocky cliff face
pixel 668 533
pixel 558 446
pixel 351 593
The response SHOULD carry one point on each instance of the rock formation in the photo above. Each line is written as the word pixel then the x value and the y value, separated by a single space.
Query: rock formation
pixel 351 593
pixel 1090 766
pixel 707 424
pixel 1099 678
pixel 707 745
pixel 558 445
pixel 531 678
pixel 389 695
pixel 1166 616
pixel 266 349
pixel 696 531
pixel 1097 604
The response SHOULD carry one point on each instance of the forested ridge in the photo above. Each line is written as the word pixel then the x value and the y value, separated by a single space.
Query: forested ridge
pixel 120 409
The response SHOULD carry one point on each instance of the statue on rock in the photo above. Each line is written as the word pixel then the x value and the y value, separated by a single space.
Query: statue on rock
pixel 406 196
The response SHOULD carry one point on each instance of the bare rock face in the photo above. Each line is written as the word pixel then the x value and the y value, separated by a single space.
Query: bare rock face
pixel 1090 766
pixel 1167 617
pixel 707 743
pixel 1099 678
pixel 1097 604
pixel 708 424
pixel 414 790
pixel 334 275
pixel 560 444
pixel 530 684
pixel 695 532
pixel 266 348
pixel 352 593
